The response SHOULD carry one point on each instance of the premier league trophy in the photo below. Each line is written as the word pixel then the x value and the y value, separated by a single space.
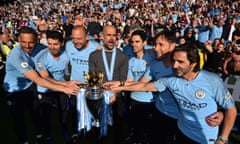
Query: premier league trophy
pixel 94 94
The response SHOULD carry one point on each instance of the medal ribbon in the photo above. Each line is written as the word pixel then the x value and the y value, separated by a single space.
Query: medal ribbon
pixel 109 72
pixel 106 114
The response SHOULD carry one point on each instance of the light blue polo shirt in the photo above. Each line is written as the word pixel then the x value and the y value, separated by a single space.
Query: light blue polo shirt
pixel 19 62
pixel 136 70
pixel 165 102
pixel 79 59
pixel 56 68
pixel 198 99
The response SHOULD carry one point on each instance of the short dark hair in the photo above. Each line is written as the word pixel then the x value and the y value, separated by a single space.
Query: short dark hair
pixel 55 35
pixel 169 35
pixel 28 30
pixel 140 33
pixel 192 51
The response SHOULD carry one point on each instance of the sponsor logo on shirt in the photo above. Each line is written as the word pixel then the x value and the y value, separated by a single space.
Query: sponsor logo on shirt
pixel 80 61
pixel 190 105
pixel 39 64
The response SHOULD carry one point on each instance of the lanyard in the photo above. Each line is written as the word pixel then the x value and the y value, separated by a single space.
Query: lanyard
pixel 109 71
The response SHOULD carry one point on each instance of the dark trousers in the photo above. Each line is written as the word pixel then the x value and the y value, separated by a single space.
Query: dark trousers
pixel 74 119
pixel 183 139
pixel 164 128
pixel 47 101
pixel 141 120
pixel 18 103
pixel 115 132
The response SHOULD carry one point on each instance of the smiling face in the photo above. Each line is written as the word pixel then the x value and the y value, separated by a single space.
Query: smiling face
pixel 79 38
pixel 163 47
pixel 27 42
pixel 54 46
pixel 181 65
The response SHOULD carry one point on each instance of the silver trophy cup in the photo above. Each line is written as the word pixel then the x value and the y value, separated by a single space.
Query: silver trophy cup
pixel 94 95
pixel 94 103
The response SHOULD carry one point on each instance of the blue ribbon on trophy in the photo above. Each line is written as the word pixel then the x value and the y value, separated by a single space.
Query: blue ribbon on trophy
pixel 106 114
pixel 97 101
pixel 83 113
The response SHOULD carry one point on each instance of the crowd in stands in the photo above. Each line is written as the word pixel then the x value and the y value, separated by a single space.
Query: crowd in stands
pixel 210 22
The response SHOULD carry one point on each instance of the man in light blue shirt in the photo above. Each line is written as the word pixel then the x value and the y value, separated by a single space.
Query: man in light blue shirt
pixel 52 63
pixel 216 30
pixel 198 94
pixel 78 50
pixel 141 103
pixel 19 82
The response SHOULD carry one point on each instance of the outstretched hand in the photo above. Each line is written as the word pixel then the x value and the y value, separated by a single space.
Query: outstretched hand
pixel 73 83
pixel 71 90
pixel 114 85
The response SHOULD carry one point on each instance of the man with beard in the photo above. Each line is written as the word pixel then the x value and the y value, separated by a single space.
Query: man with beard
pixel 78 49
pixel 52 63
pixel 166 114
pixel 20 80
pixel 198 94
pixel 114 63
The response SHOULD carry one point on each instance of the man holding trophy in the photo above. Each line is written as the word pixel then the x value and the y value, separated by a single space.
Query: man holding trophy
pixel 114 65
pixel 78 50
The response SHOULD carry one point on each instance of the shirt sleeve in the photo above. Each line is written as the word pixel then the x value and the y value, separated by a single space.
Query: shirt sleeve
pixel 223 96
pixel 130 74
pixel 40 61
pixel 161 84
pixel 21 62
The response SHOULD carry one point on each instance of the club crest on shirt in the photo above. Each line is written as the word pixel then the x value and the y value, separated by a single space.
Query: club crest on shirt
pixel 24 64
pixel 200 94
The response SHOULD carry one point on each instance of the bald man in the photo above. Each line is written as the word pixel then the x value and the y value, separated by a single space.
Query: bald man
pixel 78 49
pixel 114 63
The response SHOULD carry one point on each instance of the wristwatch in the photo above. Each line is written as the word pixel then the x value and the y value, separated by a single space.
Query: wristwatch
pixel 225 141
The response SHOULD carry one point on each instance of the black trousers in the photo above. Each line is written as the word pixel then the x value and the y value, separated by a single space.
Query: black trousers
pixel 47 101
pixel 141 120
pixel 183 139
pixel 18 103
pixel 165 128
pixel 73 110
pixel 115 132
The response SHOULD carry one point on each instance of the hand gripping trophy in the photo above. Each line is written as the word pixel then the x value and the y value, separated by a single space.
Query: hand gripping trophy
pixel 93 103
